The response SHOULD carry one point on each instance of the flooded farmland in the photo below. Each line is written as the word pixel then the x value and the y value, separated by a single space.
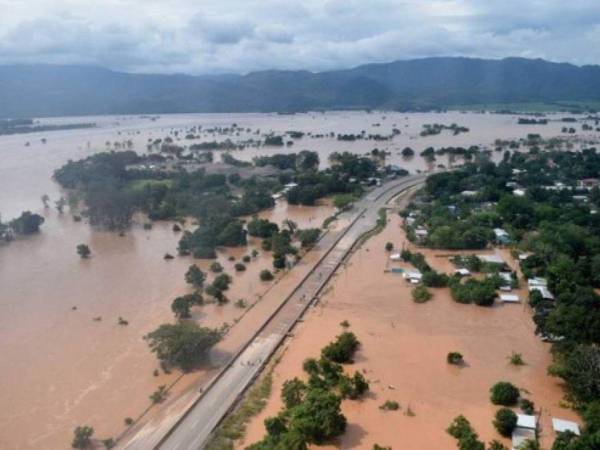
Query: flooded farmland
pixel 67 361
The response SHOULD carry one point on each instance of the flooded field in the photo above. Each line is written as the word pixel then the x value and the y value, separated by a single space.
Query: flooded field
pixel 67 362
pixel 403 355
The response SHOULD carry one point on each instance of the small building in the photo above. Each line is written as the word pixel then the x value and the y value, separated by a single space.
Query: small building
pixel 589 183
pixel 463 272
pixel 519 192
pixel 421 235
pixel 396 257
pixel 525 430
pixel 468 193
pixel 492 259
pixel 560 426
pixel 502 237
pixel 509 298
pixel 546 294
pixel 537 281
pixel 413 276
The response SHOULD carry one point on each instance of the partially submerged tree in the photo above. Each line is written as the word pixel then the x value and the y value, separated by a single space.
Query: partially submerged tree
pixel 182 345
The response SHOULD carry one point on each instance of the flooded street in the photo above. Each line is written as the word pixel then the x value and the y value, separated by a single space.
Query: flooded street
pixel 66 361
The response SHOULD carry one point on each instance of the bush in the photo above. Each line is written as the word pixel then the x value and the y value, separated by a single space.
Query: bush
pixel 266 275
pixel 461 429
pixel 195 276
pixel 390 405
pixel 516 359
pixel 246 258
pixel 505 421
pixel 389 247
pixel 216 267
pixel 222 282
pixel 454 358
pixel 279 261
pixel 504 393
pixel 308 237
pixel 342 349
pixel 83 251
pixel 420 294
pixel 239 267
pixel 82 437
pixel 527 406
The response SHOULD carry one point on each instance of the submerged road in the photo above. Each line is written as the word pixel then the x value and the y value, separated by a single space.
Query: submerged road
pixel 193 429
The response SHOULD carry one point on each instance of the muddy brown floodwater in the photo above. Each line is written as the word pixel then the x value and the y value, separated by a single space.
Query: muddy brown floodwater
pixel 403 355
pixel 61 368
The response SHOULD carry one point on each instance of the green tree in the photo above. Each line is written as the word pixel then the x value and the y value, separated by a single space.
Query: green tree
pixel 342 349
pixel 82 437
pixel 195 276
pixel 181 308
pixel 83 251
pixel 293 392
pixel 182 345
pixel 504 393
pixel 27 223
pixel 318 418
pixel 420 294
pixel 266 275
pixel 309 236
pixel 505 421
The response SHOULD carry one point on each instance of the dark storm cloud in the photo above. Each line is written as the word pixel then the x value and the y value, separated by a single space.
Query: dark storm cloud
pixel 244 35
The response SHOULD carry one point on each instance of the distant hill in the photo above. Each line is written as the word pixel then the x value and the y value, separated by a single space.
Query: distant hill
pixel 46 90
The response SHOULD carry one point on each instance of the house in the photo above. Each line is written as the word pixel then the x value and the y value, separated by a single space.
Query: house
pixel 492 259
pixel 463 272
pixel 546 294
pixel 468 193
pixel 413 276
pixel 537 281
pixel 421 235
pixel 524 430
pixel 560 426
pixel 519 192
pixel 502 237
pixel 588 183
pixel 509 298
pixel 395 257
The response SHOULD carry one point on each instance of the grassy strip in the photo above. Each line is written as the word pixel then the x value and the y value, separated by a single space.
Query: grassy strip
pixel 234 425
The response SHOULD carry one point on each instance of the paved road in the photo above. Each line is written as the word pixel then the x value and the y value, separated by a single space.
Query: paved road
pixel 194 428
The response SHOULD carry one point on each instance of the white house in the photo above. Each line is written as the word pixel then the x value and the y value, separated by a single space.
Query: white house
pixel 525 430
pixel 560 426
pixel 413 276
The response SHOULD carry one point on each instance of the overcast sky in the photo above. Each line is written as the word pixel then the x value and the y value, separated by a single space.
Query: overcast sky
pixel 200 36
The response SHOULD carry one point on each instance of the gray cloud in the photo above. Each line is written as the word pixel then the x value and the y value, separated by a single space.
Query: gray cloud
pixel 243 35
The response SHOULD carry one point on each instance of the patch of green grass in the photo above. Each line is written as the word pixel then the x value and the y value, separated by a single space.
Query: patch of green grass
pixel 140 185
pixel 234 425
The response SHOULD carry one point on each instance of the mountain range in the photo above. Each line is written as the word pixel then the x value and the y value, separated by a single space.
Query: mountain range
pixel 428 83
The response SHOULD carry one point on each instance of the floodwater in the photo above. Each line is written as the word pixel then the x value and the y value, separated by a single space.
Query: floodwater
pixel 403 355
pixel 66 361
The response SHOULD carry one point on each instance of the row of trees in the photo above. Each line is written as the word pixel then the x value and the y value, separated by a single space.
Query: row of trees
pixel 312 409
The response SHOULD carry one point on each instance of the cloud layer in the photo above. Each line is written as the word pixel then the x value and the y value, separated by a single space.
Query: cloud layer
pixel 210 36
